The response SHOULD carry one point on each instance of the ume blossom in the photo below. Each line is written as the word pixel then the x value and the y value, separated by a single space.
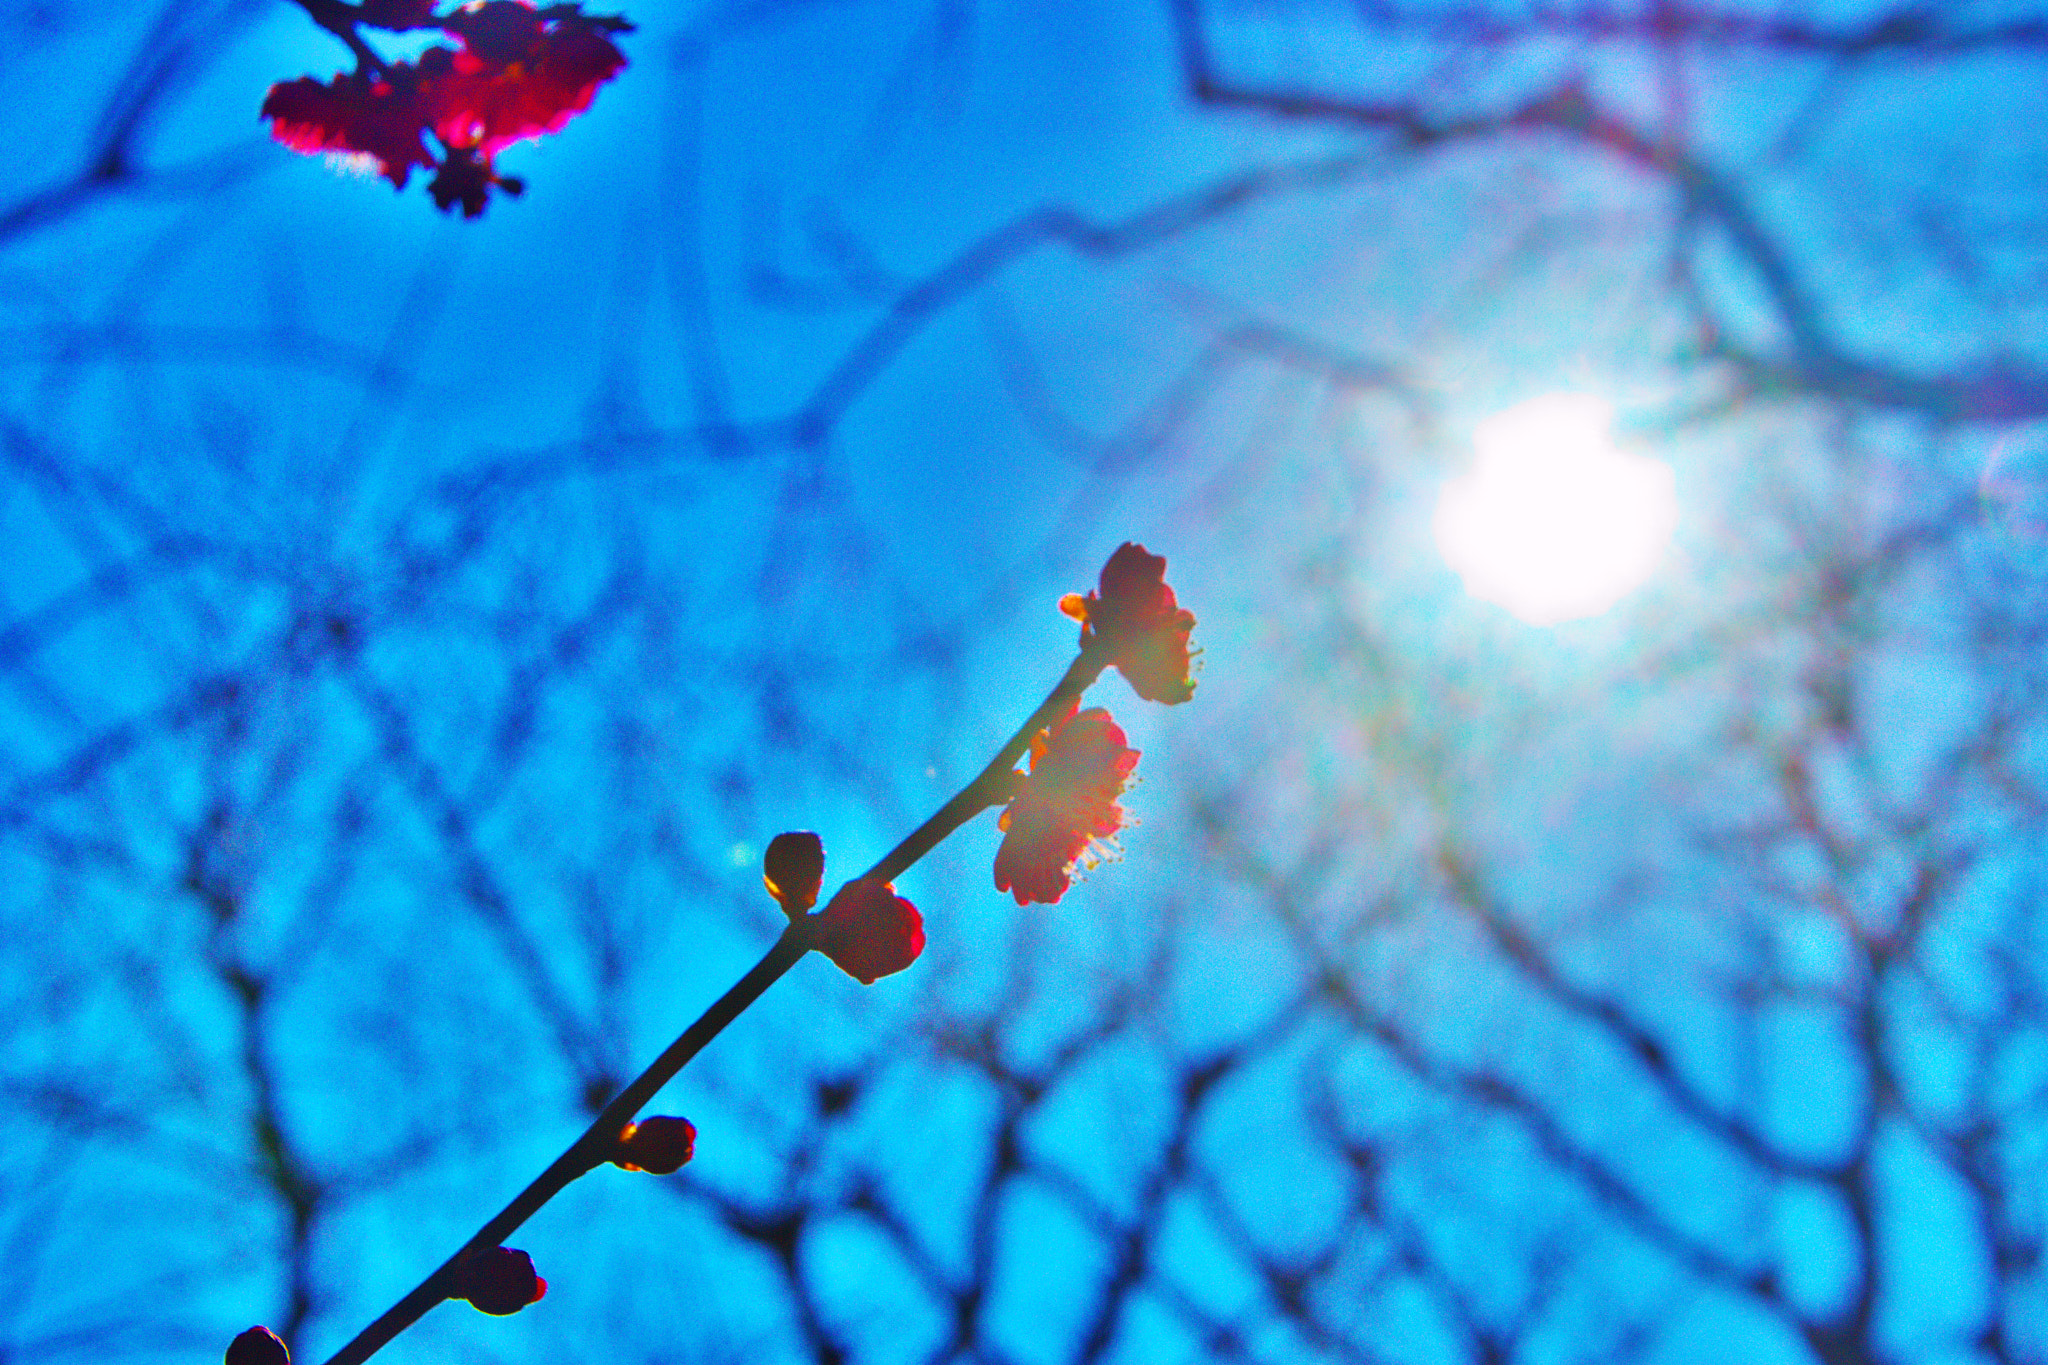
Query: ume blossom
pixel 1134 616
pixel 517 73
pixel 1065 805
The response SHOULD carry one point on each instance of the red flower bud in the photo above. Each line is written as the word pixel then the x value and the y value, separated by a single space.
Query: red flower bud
pixel 870 931
pixel 794 868
pixel 519 73
pixel 498 1281
pixel 257 1346
pixel 659 1146
pixel 1138 622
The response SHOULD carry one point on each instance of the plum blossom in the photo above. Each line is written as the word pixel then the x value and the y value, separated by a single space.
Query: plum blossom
pixel 517 73
pixel 1065 806
pixel 1135 617
pixel 380 117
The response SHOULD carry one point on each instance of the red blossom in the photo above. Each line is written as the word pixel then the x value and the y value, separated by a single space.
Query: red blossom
pixel 517 75
pixel 257 1346
pixel 1138 621
pixel 377 116
pixel 870 931
pixel 1079 767
pixel 498 1281
pixel 661 1145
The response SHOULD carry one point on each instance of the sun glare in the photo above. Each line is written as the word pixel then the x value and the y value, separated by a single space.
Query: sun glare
pixel 1553 523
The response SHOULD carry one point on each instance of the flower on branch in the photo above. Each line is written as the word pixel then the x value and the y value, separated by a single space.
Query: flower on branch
pixel 378 117
pixel 498 1281
pixel 518 73
pixel 1067 805
pixel 257 1346
pixel 661 1145
pixel 794 869
pixel 1135 619
pixel 870 931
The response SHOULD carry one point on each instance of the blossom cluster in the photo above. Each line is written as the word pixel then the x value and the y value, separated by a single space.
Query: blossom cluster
pixel 516 72
pixel 1061 814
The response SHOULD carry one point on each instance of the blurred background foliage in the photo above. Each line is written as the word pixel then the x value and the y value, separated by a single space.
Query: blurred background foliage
pixel 412 632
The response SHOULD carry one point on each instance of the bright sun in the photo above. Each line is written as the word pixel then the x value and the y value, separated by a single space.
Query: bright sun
pixel 1553 522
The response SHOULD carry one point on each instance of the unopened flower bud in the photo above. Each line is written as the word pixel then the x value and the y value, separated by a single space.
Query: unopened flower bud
pixel 258 1346
pixel 870 931
pixel 793 869
pixel 498 1281
pixel 660 1145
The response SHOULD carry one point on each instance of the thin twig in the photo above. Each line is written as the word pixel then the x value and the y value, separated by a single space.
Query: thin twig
pixel 597 1145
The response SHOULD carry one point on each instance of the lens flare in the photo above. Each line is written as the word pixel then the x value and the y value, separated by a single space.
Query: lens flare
pixel 1553 523
pixel 2013 493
